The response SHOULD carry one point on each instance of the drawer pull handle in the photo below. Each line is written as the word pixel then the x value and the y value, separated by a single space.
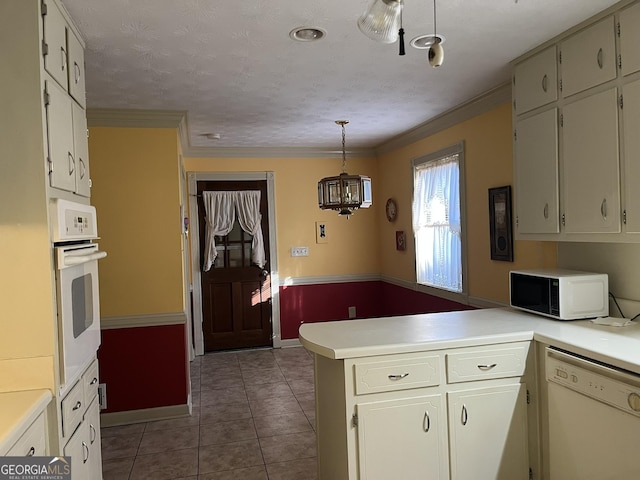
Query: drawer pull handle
pixel 486 367
pixel 599 58
pixel 77 405
pixel 398 377
pixel 85 447
pixel 94 381
pixel 426 422
pixel 31 452
pixel 544 83
pixel 92 434
pixel 465 416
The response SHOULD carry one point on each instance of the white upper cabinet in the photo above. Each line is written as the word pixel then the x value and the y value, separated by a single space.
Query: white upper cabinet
pixel 631 153
pixel 536 173
pixel 588 58
pixel 55 42
pixel 61 160
pixel 76 69
pixel 630 39
pixel 81 151
pixel 535 81
pixel 591 177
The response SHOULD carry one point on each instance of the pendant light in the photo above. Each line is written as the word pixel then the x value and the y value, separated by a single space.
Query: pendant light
pixel 344 193
pixel 381 21
pixel 436 52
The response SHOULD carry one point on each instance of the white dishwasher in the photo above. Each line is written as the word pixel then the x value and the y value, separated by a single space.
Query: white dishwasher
pixel 594 419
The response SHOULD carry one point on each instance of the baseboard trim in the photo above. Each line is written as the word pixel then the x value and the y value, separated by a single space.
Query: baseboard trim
pixel 291 342
pixel 144 415
pixel 327 279
pixel 149 320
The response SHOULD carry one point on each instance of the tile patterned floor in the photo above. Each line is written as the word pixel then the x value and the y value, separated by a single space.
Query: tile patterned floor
pixel 253 419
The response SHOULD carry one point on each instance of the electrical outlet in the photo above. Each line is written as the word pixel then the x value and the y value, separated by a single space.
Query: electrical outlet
pixel 352 312
pixel 102 395
pixel 299 251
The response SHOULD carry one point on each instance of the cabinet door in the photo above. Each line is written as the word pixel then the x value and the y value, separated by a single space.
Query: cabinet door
pixel 81 151
pixel 78 449
pixel 588 58
pixel 92 418
pixel 402 439
pixel 630 39
pixel 488 433
pixel 55 39
pixel 536 174
pixel 631 150
pixel 76 69
pixel 536 81
pixel 591 174
pixel 62 163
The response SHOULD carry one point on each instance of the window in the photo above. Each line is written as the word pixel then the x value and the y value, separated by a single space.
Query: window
pixel 437 219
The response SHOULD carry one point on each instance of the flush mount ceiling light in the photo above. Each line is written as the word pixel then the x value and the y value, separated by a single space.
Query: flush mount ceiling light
pixel 382 22
pixel 307 34
pixel 344 193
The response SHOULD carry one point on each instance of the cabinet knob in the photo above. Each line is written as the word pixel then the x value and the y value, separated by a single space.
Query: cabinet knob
pixel 31 452
pixel 426 422
pixel 77 405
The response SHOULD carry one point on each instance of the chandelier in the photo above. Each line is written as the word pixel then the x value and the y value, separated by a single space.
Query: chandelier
pixel 344 193
pixel 382 22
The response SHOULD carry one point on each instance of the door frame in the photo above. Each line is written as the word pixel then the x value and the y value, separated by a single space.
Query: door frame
pixel 194 177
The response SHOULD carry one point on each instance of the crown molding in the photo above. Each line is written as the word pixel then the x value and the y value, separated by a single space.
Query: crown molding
pixel 273 152
pixel 112 117
pixel 476 106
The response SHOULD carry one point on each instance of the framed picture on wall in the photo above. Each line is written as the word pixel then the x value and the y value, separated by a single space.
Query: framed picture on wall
pixel 500 223
pixel 401 240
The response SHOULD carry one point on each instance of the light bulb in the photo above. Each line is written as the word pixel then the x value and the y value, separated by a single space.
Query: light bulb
pixel 436 54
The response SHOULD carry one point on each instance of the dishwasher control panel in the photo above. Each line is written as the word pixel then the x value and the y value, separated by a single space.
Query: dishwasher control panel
pixel 605 383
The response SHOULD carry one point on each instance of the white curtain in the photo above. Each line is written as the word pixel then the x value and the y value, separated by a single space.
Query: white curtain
pixel 436 224
pixel 220 216
pixel 220 209
pixel 249 218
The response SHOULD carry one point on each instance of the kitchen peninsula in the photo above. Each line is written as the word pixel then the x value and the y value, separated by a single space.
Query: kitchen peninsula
pixel 456 394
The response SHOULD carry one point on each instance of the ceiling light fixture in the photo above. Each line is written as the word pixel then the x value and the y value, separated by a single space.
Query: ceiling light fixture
pixel 307 34
pixel 344 193
pixel 382 22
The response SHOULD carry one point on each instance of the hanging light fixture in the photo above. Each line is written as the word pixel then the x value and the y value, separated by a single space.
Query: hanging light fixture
pixel 344 193
pixel 381 21
pixel 436 52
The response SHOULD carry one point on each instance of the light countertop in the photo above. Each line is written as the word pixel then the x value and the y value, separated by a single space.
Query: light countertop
pixel 18 410
pixel 618 346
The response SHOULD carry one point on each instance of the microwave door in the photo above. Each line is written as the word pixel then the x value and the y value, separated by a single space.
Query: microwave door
pixel 531 292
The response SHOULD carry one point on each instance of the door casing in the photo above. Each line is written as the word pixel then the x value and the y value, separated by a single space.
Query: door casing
pixel 193 178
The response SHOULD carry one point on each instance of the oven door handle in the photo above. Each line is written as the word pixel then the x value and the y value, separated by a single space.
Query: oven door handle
pixel 70 261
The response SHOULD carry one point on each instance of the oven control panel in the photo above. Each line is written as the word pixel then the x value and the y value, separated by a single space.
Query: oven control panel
pixel 72 221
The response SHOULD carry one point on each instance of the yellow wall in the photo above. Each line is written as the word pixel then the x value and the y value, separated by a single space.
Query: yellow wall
pixel 488 163
pixel 352 246
pixel 136 193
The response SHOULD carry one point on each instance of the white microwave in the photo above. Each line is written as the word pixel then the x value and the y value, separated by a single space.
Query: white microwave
pixel 560 294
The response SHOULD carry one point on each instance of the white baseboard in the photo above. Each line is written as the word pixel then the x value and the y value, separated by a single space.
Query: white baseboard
pixel 144 415
pixel 292 342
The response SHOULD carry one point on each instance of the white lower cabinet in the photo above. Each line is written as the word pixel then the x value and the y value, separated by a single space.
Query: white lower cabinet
pixel 447 414
pixel 84 446
pixel 488 433
pixel 404 438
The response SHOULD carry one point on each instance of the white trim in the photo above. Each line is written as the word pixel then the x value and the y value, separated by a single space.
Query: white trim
pixel 472 108
pixel 144 415
pixel 292 342
pixel 113 117
pixel 146 320
pixel 193 178
pixel 292 281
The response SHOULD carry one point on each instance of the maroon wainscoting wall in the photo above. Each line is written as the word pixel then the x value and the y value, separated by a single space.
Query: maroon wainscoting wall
pixel 144 367
pixel 331 301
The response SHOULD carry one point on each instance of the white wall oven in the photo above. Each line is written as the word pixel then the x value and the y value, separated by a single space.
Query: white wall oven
pixel 74 230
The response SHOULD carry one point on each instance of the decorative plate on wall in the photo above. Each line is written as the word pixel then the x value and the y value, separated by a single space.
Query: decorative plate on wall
pixel 391 209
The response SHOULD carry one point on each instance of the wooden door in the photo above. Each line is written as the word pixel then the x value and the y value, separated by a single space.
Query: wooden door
pixel 236 294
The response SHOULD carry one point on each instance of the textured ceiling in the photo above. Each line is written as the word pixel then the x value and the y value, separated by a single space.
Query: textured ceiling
pixel 232 66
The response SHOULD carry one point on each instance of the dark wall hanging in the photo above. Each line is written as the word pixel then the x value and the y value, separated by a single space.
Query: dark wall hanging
pixel 500 223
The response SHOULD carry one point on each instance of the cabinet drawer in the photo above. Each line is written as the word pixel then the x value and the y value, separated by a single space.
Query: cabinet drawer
pixel 32 442
pixel 400 374
pixel 72 409
pixel 483 363
pixel 90 382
